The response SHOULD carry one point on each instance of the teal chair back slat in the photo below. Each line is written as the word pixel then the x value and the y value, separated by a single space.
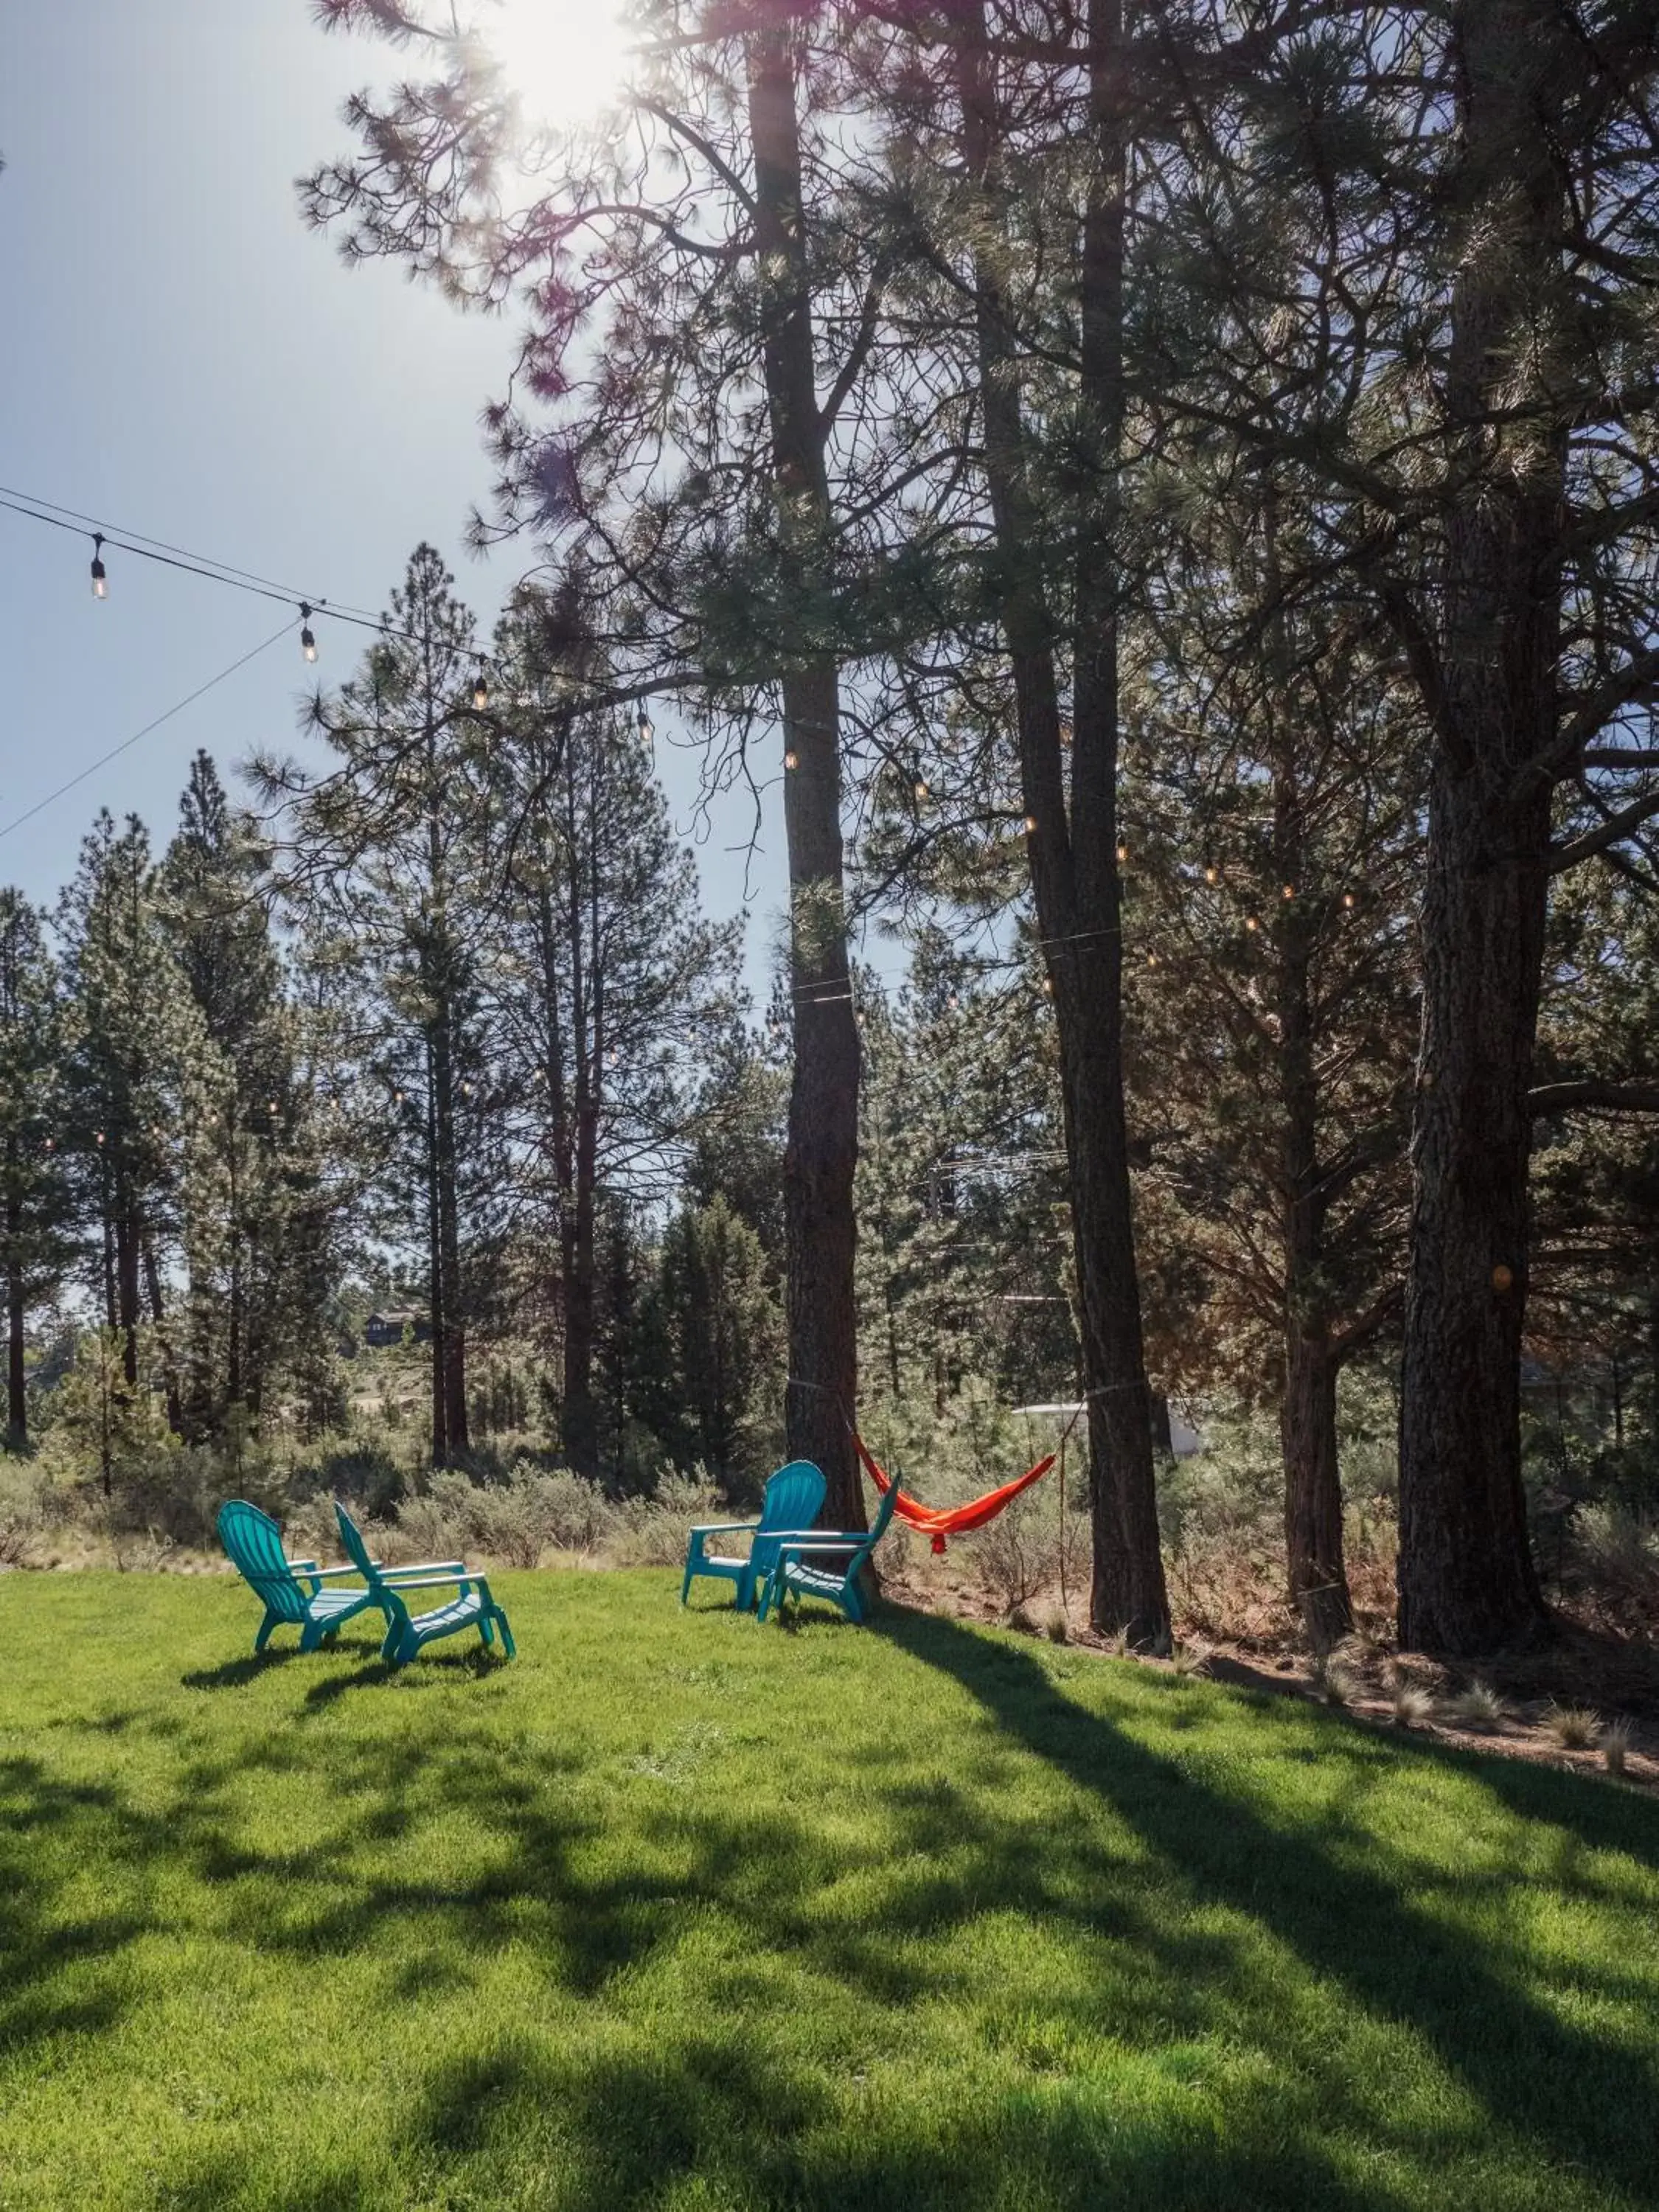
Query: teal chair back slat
pixel 352 1537
pixel 883 1515
pixel 793 1500
pixel 253 1543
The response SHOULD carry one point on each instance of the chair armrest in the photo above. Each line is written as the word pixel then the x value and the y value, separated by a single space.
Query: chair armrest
pixel 436 1582
pixel 724 1528
pixel 303 1566
pixel 323 1574
pixel 420 1567
pixel 798 1551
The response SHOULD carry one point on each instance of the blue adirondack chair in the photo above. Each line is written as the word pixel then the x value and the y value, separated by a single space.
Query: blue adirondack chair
pixel 791 1498
pixel 407 1632
pixel 827 1564
pixel 292 1588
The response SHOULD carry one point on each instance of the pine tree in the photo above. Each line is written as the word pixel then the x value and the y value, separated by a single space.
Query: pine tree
pixel 718 1320
pixel 139 1073
pixel 34 1198
pixel 607 985
pixel 388 847
pixel 234 1223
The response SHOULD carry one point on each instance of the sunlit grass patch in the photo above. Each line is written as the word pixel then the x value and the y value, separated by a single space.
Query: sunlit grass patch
pixel 678 1911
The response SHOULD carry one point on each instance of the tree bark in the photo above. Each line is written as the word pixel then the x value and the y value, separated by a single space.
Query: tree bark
pixel 581 1425
pixel 1467 1580
pixel 452 1365
pixel 437 1318
pixel 820 1151
pixel 1317 1576
pixel 17 1404
pixel 1073 857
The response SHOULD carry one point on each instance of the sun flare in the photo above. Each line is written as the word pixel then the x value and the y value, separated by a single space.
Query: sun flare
pixel 566 60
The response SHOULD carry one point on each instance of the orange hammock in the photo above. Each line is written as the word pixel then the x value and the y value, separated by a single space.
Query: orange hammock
pixel 939 1522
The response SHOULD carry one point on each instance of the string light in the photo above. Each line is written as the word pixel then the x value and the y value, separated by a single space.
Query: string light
pixel 792 758
pixel 1152 959
pixel 481 688
pixel 100 575
pixel 1347 901
pixel 1289 891
pixel 1047 986
pixel 1212 875
pixel 1251 923
pixel 952 1001
pixel 1031 825
pixel 643 726
pixel 307 643
pixel 921 788
pixel 1122 851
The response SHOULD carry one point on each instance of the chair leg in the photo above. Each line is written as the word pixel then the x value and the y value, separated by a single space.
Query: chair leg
pixel 485 1630
pixel 267 1627
pixel 507 1644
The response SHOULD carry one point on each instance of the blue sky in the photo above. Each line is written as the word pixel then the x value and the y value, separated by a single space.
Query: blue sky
pixel 181 357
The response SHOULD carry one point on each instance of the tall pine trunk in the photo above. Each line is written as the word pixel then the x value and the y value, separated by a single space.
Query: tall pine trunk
pixel 17 1404
pixel 438 1318
pixel 820 1151
pixel 1072 854
pixel 1467 1579
pixel 452 1364
pixel 1317 1575
pixel 581 1420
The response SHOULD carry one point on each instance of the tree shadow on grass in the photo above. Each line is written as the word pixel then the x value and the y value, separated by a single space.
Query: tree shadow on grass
pixel 1581 2101
pixel 236 1673
pixel 52 1984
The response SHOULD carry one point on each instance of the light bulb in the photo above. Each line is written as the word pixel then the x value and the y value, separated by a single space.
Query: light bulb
pixel 1123 852
pixel 1212 875
pixel 1251 923
pixel 1031 825
pixel 100 578
pixel 1152 959
pixel 1289 891
pixel 953 1002
pixel 480 692
pixel 1047 986
pixel 643 726
pixel 307 643
pixel 921 788
pixel 1347 901
pixel 792 758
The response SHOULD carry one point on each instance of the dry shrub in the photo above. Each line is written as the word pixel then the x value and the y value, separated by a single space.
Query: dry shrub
pixel 1336 1682
pixel 1413 1707
pixel 655 1531
pixel 1574 1727
pixel 1017 1554
pixel 1480 1708
pixel 1056 1627
pixel 1615 1567
pixel 1189 1661
pixel 1617 1741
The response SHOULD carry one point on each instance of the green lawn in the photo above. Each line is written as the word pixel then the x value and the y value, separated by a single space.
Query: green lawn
pixel 682 1911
